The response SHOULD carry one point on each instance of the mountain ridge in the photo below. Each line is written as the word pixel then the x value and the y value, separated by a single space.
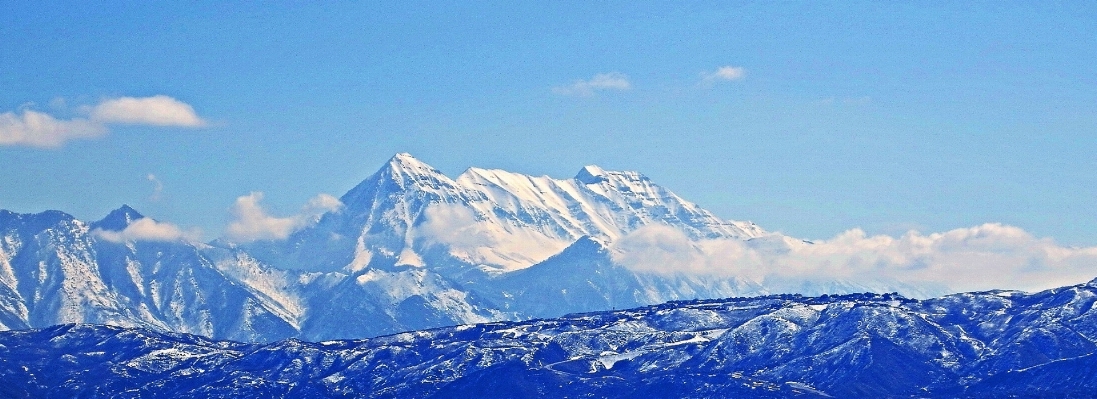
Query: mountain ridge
pixel 973 345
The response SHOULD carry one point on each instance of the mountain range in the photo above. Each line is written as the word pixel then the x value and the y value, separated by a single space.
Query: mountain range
pixel 991 344
pixel 407 249
pixel 504 285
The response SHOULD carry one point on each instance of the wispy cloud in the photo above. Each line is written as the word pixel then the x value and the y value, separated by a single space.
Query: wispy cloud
pixel 982 257
pixel 146 229
pixel 724 74
pixel 157 187
pixel 37 129
pixel 251 222
pixel 601 82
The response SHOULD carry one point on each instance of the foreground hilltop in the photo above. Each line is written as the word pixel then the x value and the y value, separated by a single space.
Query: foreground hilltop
pixel 986 344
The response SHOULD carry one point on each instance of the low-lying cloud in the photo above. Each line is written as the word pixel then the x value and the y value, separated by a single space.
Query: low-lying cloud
pixel 38 129
pixel 977 258
pixel 667 250
pixel 600 82
pixel 454 225
pixel 146 229
pixel 252 223
pixel 480 241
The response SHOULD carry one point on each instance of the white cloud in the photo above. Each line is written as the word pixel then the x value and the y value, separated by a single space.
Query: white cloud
pixel 664 249
pixel 146 229
pixel 251 222
pixel 482 241
pixel 454 225
pixel 976 258
pixel 724 73
pixel 37 129
pixel 157 187
pixel 156 111
pixel 600 82
pixel 320 204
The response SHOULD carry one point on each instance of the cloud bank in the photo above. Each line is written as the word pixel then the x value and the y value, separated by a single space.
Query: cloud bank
pixel 251 222
pixel 601 82
pixel 988 256
pixel 977 258
pixel 37 129
pixel 146 229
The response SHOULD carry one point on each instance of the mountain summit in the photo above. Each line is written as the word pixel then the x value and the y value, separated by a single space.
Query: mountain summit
pixel 401 173
pixel 118 219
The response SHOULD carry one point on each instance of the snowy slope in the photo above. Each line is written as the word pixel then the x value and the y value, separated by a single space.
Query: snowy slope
pixel 55 270
pixel 986 344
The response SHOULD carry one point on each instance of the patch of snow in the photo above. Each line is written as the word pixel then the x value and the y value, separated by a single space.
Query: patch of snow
pixel 805 387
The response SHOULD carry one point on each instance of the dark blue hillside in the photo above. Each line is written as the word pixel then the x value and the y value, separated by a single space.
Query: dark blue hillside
pixel 988 344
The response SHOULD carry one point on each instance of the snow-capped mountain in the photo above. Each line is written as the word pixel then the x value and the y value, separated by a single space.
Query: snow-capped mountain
pixel 409 248
pixel 55 269
pixel 495 220
pixel 985 344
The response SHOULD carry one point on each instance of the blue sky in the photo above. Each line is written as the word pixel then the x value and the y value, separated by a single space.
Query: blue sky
pixel 828 116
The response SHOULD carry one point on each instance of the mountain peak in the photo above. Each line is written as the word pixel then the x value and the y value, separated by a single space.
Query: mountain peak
pixel 588 243
pixel 403 164
pixel 401 172
pixel 118 219
pixel 403 157
pixel 591 174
